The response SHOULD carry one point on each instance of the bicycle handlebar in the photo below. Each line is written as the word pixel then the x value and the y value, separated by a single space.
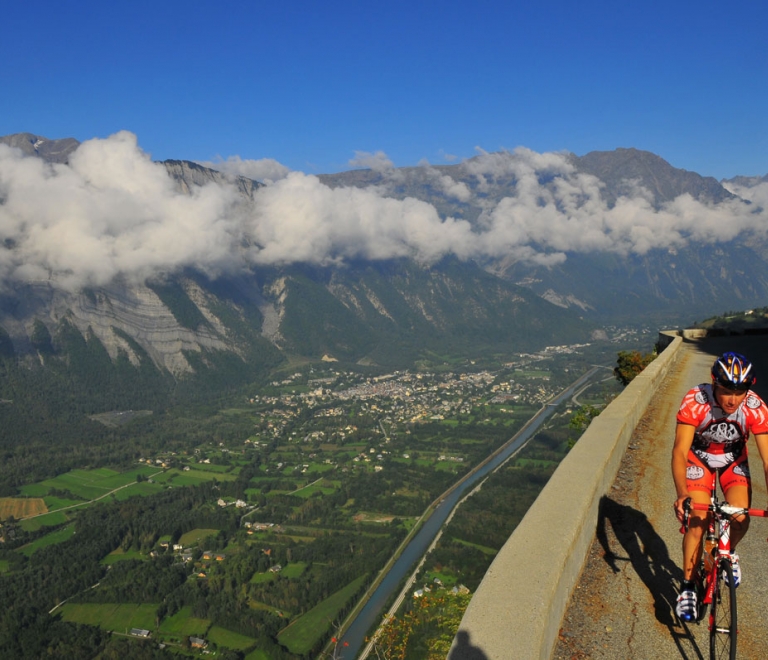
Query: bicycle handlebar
pixel 729 510
pixel 722 507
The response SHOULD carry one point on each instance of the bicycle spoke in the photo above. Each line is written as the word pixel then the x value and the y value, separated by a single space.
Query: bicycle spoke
pixel 722 621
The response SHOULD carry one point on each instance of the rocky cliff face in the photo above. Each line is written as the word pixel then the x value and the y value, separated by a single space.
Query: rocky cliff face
pixel 122 318
pixel 188 174
pixel 54 151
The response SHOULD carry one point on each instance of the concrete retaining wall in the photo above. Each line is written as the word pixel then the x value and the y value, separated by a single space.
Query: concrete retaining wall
pixel 517 610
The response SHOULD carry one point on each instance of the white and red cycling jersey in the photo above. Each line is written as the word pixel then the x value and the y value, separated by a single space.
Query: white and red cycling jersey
pixel 719 438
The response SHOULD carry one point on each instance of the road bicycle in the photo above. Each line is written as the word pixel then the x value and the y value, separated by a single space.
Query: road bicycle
pixel 714 577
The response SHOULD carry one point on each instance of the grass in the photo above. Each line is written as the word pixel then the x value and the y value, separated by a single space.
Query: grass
pixel 195 536
pixel 55 503
pixel 258 605
pixel 294 570
pixel 87 484
pixel 482 548
pixel 257 655
pixel 142 489
pixel 184 624
pixel 58 536
pixel 308 491
pixel 112 616
pixel 303 633
pixel 534 462
pixel 260 578
pixel 4 566
pixel 47 520
pixel 448 466
pixel 212 467
pixel 194 477
pixel 122 555
pixel 227 638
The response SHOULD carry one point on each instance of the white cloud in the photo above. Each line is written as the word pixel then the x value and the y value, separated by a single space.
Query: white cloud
pixel 112 211
pixel 446 184
pixel 378 162
pixel 265 170
pixel 300 219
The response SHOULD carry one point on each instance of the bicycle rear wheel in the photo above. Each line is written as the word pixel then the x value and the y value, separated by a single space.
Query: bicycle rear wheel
pixel 722 616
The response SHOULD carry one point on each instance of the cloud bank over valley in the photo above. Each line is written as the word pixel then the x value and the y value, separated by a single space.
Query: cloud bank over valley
pixel 112 211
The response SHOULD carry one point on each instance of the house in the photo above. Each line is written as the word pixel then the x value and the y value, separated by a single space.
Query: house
pixel 139 632
pixel 197 642
pixel 275 569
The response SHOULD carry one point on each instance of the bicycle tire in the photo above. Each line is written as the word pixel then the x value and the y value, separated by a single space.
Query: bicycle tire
pixel 722 615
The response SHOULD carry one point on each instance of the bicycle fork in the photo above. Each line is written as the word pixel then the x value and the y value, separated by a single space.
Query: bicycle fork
pixel 723 538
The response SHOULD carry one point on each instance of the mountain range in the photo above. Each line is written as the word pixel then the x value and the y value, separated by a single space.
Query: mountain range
pixel 631 239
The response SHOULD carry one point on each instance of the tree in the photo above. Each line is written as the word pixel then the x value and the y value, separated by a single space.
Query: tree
pixel 630 364
pixel 581 419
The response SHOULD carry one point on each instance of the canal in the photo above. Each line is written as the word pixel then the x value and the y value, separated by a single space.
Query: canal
pixel 372 611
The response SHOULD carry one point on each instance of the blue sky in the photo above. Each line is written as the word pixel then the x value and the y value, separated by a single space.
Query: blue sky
pixel 311 83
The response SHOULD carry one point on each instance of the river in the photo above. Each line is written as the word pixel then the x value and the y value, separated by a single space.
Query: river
pixel 371 612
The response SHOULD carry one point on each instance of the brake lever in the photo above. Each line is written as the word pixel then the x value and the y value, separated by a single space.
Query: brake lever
pixel 686 515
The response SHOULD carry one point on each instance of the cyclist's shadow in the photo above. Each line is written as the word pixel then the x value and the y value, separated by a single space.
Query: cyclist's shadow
pixel 647 552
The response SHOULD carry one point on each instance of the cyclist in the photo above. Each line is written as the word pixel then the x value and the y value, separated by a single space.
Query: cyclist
pixel 713 424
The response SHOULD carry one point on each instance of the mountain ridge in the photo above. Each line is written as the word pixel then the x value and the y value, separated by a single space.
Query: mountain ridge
pixel 371 310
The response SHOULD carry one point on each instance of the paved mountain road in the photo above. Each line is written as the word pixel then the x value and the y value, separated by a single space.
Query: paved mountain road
pixel 623 605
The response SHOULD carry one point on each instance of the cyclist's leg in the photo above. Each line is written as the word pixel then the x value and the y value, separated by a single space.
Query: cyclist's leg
pixel 737 489
pixel 699 481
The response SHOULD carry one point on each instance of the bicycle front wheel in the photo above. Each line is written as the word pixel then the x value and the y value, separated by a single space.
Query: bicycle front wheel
pixel 722 616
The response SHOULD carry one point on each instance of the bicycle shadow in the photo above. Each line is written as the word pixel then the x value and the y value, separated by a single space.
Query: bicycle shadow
pixel 647 553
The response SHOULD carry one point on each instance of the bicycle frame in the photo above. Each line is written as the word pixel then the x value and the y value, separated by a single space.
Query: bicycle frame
pixel 714 584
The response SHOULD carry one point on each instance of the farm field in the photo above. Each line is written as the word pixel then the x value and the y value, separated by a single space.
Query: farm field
pixel 52 519
pixel 122 555
pixel 194 536
pixel 112 616
pixel 87 484
pixel 193 477
pixel 184 624
pixel 309 491
pixel 294 570
pixel 301 635
pixel 49 539
pixel 21 507
pixel 257 655
pixel 231 640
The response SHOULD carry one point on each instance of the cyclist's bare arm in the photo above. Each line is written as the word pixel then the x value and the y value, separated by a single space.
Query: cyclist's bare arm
pixel 761 440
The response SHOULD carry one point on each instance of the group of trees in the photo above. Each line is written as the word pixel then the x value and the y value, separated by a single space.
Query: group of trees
pixel 630 364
